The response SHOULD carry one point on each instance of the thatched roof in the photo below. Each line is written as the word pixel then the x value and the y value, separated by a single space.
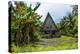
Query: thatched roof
pixel 49 16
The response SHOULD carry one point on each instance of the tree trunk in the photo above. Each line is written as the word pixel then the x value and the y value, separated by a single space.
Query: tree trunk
pixel 28 37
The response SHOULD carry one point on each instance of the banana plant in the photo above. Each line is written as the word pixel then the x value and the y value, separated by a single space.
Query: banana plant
pixel 25 18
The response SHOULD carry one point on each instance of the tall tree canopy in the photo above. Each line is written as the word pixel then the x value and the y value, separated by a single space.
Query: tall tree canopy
pixel 24 22
pixel 69 24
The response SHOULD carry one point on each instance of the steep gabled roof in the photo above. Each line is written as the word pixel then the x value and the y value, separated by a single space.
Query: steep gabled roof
pixel 48 15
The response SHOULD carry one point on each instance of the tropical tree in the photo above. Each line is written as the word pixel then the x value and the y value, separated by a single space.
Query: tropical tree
pixel 69 25
pixel 24 23
pixel 75 10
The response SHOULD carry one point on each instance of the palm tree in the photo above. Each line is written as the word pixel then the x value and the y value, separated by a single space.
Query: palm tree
pixel 75 10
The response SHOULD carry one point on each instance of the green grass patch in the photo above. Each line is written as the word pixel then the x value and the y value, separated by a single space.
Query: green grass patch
pixel 63 43
pixel 64 38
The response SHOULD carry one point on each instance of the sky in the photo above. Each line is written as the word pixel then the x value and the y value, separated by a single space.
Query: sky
pixel 57 11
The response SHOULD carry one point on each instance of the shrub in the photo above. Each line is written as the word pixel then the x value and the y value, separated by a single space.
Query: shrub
pixel 36 36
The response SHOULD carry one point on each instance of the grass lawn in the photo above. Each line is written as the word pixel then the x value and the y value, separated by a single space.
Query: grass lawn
pixel 63 43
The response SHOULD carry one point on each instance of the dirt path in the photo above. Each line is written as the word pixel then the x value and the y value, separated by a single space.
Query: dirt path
pixel 54 42
pixel 48 42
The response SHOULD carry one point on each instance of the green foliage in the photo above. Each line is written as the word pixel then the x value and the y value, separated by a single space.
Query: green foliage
pixel 36 36
pixel 75 10
pixel 69 25
pixel 76 26
pixel 24 22
pixel 67 38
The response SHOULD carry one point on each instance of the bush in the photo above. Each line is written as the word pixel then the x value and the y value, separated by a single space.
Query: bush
pixel 36 36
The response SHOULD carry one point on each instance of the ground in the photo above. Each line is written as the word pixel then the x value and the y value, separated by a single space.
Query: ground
pixel 57 41
pixel 63 43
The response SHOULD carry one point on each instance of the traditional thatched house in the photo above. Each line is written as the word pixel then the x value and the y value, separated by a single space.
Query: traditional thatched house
pixel 49 27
